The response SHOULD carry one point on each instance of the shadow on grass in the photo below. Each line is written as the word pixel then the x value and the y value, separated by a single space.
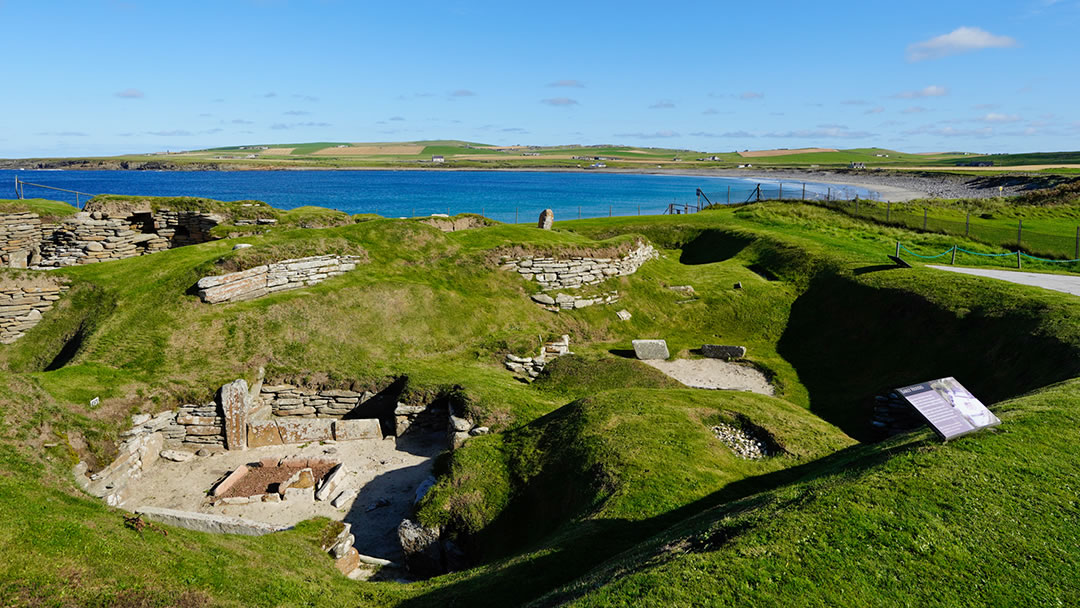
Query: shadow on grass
pixel 625 353
pixel 580 548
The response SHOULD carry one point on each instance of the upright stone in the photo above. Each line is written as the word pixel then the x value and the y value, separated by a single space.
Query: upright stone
pixel 547 218
pixel 234 406
pixel 650 349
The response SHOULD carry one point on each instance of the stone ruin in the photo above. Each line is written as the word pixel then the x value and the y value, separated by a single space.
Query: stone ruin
pixel 530 367
pixel 97 236
pixel 23 301
pixel 554 274
pixel 271 278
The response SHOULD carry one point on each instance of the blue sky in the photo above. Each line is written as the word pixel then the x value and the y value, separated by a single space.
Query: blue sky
pixel 103 77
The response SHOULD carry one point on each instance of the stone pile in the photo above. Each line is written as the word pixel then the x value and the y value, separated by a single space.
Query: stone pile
pixel 270 278
pixel 532 366
pixel 20 239
pixel 744 444
pixel 289 400
pixel 575 272
pixel 262 221
pixel 22 306
pixel 570 302
pixel 138 453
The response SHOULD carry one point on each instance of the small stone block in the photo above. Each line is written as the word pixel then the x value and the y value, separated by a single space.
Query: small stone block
pixel 650 349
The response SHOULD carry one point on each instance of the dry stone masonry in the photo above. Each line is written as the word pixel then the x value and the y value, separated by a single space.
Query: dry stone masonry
pixel 532 366
pixel 744 444
pixel 271 278
pixel 563 301
pixel 98 236
pixel 22 304
pixel 575 272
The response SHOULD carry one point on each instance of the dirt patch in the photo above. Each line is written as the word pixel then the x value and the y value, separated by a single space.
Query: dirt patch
pixel 261 480
pixel 715 374
pixel 277 152
pixel 765 153
pixel 369 150
pixel 453 224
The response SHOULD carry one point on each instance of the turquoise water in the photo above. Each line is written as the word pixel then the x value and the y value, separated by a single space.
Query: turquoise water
pixel 506 196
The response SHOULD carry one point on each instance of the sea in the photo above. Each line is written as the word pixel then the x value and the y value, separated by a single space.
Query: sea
pixel 506 196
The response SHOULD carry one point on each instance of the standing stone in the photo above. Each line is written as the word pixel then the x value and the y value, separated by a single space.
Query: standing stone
pixel 716 351
pixel 650 349
pixel 234 405
pixel 547 218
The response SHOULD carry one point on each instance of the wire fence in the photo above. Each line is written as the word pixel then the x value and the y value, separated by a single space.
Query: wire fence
pixel 1020 237
pixel 954 251
pixel 781 190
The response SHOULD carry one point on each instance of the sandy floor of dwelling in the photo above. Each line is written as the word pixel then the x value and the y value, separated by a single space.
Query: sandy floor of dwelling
pixel 388 470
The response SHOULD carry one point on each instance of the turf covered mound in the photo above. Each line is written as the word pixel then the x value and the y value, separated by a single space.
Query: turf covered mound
pixel 602 483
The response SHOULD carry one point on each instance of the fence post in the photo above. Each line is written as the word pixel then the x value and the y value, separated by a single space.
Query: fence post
pixel 953 261
pixel 828 195
pixel 804 191
pixel 897 248
pixel 1019 233
pixel 856 206
pixel 888 210
pixel 924 219
pixel 759 192
pixel 515 215
pixel 579 212
pixel 967 225
pixel 609 210
pixel 482 214
pixel 781 197
pixel 1077 254
pixel 1018 266
pixel 729 195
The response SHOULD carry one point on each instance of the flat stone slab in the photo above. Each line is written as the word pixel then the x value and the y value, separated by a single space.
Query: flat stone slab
pixel 650 349
pixel 727 353
pixel 204 522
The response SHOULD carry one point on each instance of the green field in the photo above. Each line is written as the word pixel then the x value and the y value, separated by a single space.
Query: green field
pixel 602 483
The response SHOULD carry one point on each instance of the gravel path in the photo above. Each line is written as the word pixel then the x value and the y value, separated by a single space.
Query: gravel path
pixel 1056 282
pixel 714 374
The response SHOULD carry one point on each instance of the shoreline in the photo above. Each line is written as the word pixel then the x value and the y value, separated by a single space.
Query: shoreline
pixel 892 185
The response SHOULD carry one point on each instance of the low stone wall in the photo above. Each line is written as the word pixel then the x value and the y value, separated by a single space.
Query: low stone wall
pixel 22 306
pixel 576 272
pixel 270 278
pixel 198 426
pixel 83 239
pixel 564 301
pixel 532 366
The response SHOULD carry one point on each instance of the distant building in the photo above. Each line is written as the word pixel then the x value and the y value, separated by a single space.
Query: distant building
pixel 530 154
pixel 857 166
pixel 746 166
pixel 438 159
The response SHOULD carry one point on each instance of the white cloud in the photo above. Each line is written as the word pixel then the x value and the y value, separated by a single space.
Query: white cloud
pixel 749 95
pixel 875 110
pixel 930 91
pixel 995 117
pixel 130 94
pixel 960 40
pixel 656 135
pixel 576 84
pixel 914 110
pixel 662 105
pixel 462 93
pixel 820 133
pixel 728 134
pixel 559 101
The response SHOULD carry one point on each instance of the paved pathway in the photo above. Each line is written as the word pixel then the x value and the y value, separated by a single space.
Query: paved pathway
pixel 1057 282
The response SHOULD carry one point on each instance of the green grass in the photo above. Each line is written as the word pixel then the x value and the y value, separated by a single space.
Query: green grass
pixel 48 210
pixel 603 483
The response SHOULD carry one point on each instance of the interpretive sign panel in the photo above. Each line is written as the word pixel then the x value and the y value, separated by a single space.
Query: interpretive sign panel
pixel 949 408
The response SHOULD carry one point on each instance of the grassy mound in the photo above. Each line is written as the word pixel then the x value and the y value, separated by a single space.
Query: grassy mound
pixel 50 211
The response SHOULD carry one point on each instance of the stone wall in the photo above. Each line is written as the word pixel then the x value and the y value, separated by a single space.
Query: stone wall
pixel 270 278
pixel 23 304
pixel 288 400
pixel 532 366
pixel 86 238
pixel 20 239
pixel 576 272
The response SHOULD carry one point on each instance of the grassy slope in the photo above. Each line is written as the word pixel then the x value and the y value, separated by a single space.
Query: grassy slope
pixel 643 459
pixel 48 210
